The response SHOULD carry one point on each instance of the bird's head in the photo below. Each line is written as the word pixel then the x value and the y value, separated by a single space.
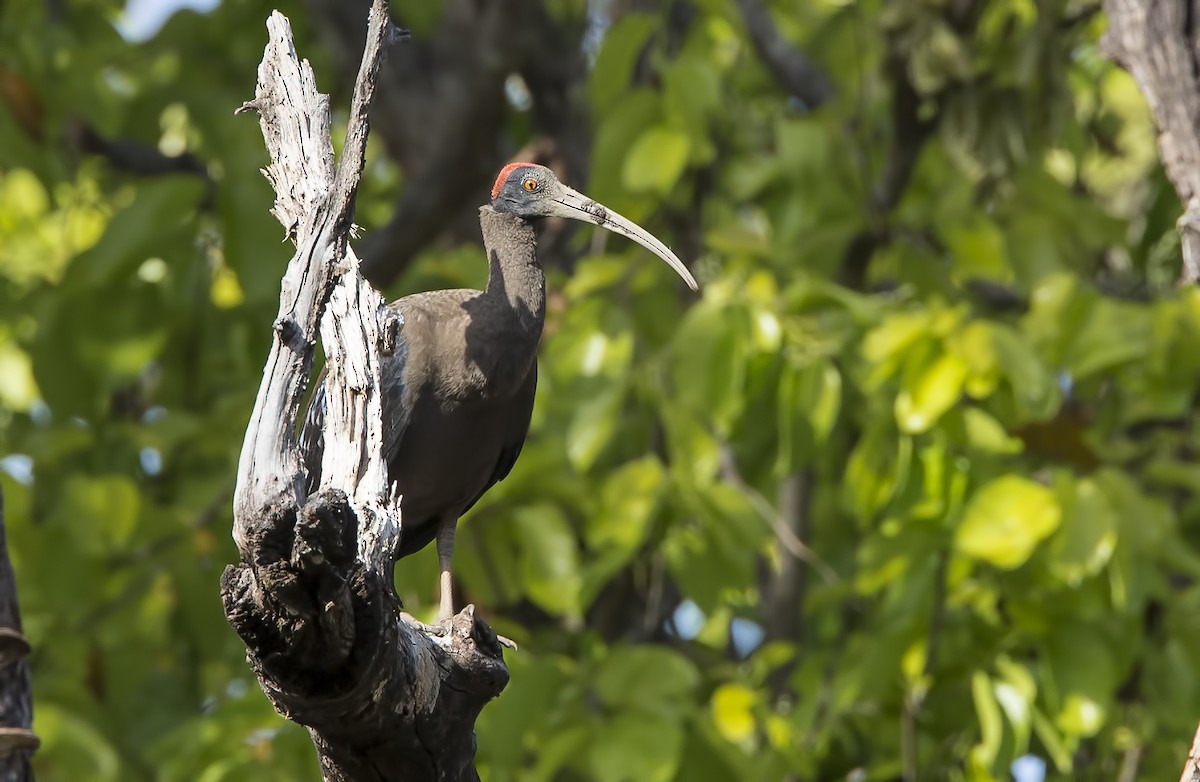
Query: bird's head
pixel 528 190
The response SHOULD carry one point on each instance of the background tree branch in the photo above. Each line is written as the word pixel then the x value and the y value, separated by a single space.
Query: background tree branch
pixel 441 128
pixel 312 597
pixel 795 72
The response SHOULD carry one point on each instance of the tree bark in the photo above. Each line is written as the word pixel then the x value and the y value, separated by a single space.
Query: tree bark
pixel 17 742
pixel 312 597
pixel 1156 41
pixel 1191 769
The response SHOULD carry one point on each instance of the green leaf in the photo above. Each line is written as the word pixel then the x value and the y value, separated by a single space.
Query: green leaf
pixel 619 129
pixel 1113 334
pixel 636 747
pixel 804 146
pixel 987 435
pixel 928 392
pixel 695 454
pixel 973 344
pixel 18 389
pixel 1006 519
pixel 885 346
pixel 991 724
pixel 1088 537
pixel 104 510
pixel 1081 716
pixel 708 366
pixel 691 94
pixel 978 248
pixel 593 426
pixel 1052 740
pixel 654 679
pixel 656 160
pixel 1016 692
pixel 702 759
pixel 549 558
pixel 628 501
pixel 878 466
pixel 78 748
pixel 820 397
pixel 733 712
pixel 136 233
pixel 1034 389
pixel 613 71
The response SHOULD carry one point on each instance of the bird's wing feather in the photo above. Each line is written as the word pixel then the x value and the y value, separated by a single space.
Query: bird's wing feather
pixel 515 442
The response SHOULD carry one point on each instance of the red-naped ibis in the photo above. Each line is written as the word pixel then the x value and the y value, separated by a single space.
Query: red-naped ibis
pixel 458 394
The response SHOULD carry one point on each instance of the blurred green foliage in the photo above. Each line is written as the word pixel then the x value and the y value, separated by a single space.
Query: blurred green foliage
pixel 993 431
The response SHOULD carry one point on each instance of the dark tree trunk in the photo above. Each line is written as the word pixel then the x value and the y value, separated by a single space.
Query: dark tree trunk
pixel 17 741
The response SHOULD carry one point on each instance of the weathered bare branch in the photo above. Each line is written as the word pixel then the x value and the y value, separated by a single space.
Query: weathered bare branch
pixel 312 597
pixel 1151 39
pixel 1191 770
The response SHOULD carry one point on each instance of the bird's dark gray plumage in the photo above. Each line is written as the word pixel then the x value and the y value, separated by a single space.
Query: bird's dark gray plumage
pixel 458 393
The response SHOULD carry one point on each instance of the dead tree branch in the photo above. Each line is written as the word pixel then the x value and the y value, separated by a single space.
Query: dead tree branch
pixel 312 596
pixel 1155 40
pixel 17 742
pixel 1191 770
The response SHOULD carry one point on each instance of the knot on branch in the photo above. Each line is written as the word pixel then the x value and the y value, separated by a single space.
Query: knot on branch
pixel 474 646
pixel 17 740
pixel 296 608
pixel 13 646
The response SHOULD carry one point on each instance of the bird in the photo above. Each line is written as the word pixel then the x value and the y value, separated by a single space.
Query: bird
pixel 457 394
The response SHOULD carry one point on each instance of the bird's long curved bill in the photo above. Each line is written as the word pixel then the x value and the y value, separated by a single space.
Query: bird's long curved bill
pixel 575 205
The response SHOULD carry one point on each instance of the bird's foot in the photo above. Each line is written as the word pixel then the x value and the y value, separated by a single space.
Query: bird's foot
pixel 440 629
pixel 444 626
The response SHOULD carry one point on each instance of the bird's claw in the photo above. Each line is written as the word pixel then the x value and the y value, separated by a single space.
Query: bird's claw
pixel 440 630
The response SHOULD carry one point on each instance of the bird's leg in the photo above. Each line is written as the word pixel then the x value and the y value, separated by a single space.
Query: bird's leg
pixel 445 548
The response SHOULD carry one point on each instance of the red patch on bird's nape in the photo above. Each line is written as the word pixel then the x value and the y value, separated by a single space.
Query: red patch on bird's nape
pixel 504 174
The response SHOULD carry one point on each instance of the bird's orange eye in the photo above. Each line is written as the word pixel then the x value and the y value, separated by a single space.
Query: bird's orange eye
pixel 530 184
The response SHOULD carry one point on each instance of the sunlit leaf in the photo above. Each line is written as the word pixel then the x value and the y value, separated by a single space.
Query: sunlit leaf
pixel 928 392
pixel 733 712
pixel 986 434
pixel 991 726
pixel 1006 519
pixel 1088 535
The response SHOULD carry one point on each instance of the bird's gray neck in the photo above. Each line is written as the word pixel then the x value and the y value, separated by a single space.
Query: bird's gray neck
pixel 515 278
